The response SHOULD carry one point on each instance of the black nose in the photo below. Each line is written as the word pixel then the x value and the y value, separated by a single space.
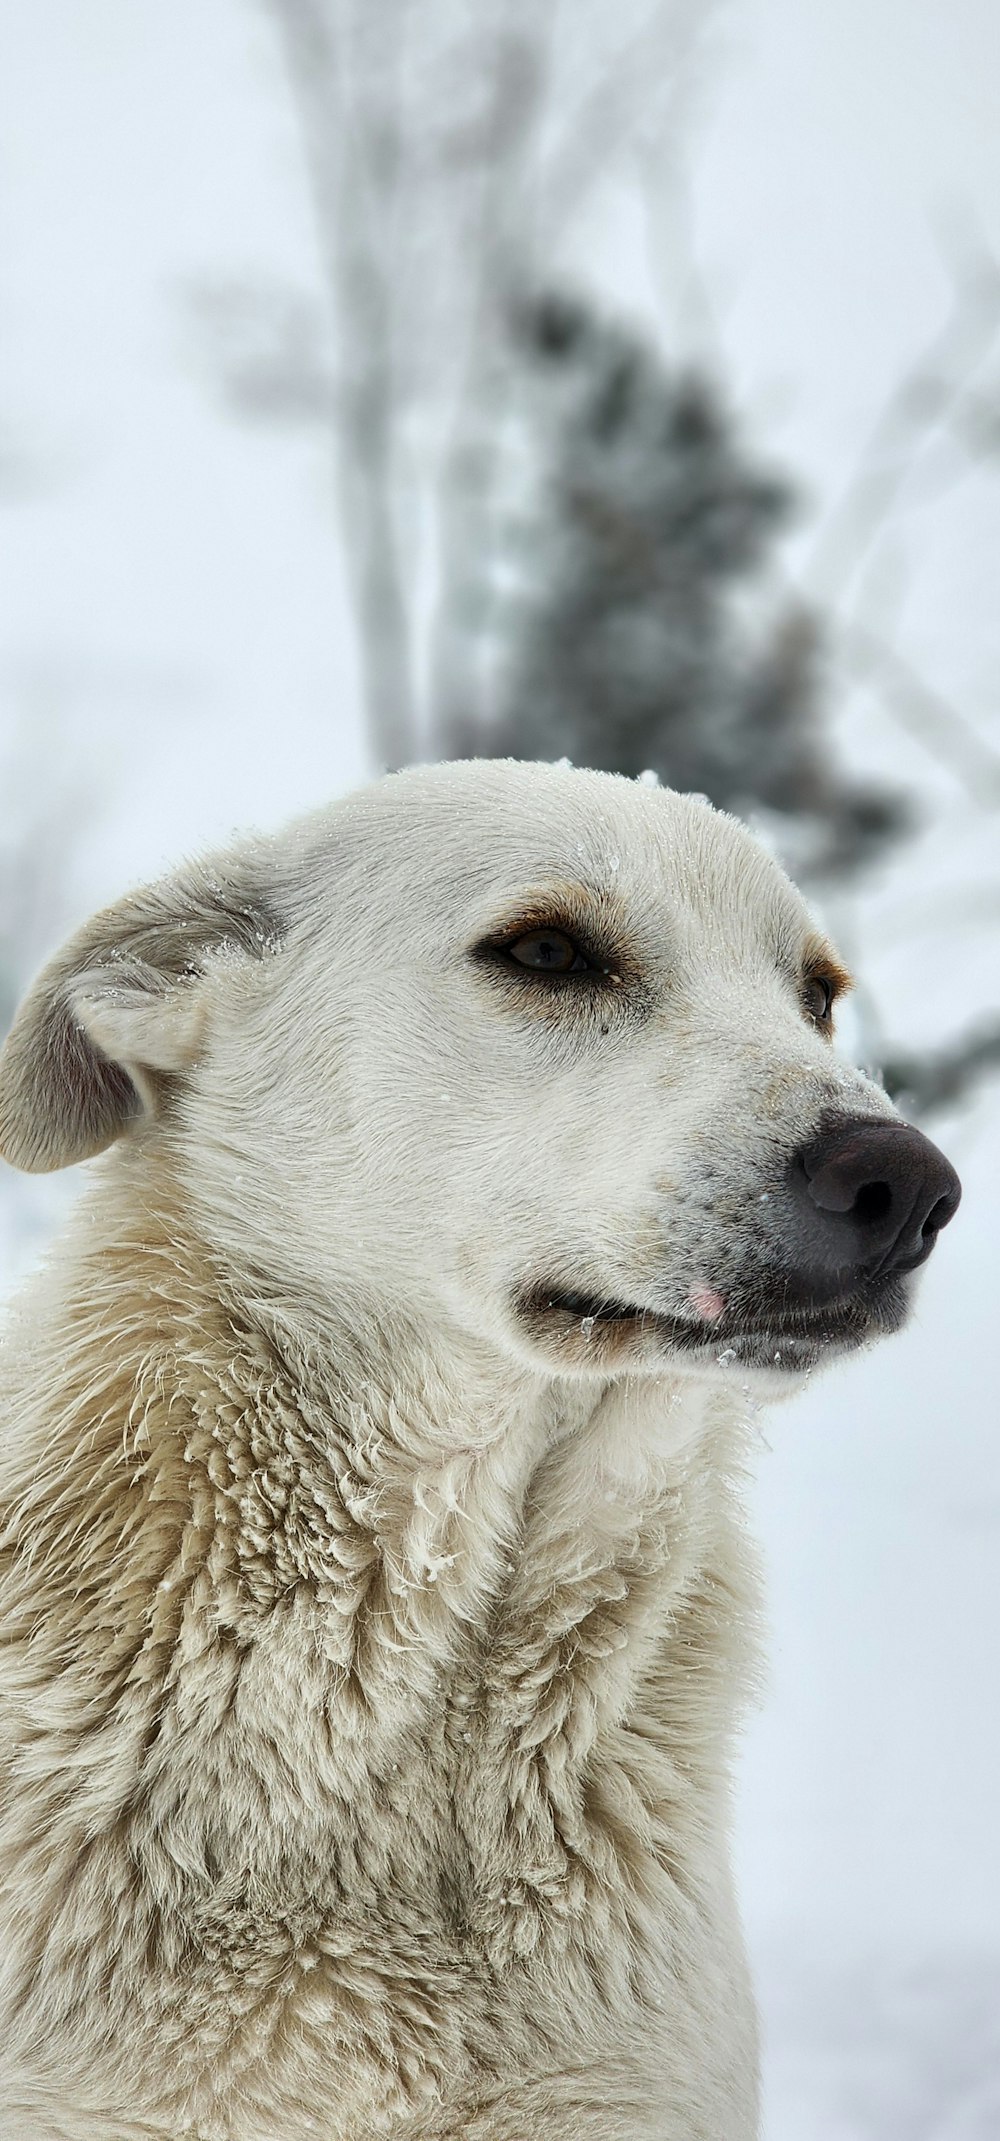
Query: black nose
pixel 872 1198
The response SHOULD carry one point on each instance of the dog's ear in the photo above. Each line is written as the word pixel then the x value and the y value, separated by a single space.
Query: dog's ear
pixel 119 1013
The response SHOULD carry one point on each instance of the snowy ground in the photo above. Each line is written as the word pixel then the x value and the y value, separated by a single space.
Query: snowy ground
pixel 174 629
pixel 906 2048
pixel 871 1781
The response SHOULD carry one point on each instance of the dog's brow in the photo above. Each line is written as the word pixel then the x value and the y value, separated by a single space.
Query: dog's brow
pixel 563 903
pixel 561 898
pixel 820 959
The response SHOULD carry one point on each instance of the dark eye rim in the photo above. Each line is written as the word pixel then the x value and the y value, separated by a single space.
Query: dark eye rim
pixel 578 963
pixel 827 982
pixel 498 951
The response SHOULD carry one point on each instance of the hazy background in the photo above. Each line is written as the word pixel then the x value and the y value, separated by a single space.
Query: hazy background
pixel 211 257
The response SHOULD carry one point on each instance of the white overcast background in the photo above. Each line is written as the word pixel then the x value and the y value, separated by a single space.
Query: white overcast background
pixel 175 648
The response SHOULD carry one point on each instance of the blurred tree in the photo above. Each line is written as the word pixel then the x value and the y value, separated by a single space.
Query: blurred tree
pixel 551 540
pixel 448 151
pixel 635 643
pixel 558 546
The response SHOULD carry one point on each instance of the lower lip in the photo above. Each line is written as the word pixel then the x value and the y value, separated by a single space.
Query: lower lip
pixel 711 1327
pixel 784 1352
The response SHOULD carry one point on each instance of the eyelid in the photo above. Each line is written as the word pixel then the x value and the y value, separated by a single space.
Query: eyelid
pixel 822 964
pixel 530 924
pixel 821 1019
pixel 595 924
pixel 580 952
pixel 578 961
pixel 498 945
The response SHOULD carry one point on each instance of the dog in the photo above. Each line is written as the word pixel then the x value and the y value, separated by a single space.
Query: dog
pixel 376 1608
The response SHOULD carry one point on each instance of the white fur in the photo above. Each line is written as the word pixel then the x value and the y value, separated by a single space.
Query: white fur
pixel 371 1653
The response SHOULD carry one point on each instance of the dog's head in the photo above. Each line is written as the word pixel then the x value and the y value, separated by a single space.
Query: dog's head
pixel 540 1053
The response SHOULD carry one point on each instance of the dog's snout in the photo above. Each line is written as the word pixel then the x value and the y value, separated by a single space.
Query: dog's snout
pixel 875 1196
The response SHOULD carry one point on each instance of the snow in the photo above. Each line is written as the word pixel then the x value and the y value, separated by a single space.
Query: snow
pixel 175 606
pixel 871 1777
pixel 868 2043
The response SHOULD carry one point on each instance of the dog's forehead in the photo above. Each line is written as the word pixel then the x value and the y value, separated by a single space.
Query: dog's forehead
pixel 458 845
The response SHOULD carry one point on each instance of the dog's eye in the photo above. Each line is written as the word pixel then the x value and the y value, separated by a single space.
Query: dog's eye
pixel 817 998
pixel 548 951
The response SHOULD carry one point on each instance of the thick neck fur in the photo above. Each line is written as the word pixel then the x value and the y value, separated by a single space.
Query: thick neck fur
pixel 268 1584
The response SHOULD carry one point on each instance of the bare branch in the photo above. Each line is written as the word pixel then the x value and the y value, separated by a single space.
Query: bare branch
pixel 352 153
pixel 609 115
pixel 920 1084
pixel 926 714
pixel 918 408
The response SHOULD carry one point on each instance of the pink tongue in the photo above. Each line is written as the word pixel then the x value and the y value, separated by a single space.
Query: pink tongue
pixel 706 1302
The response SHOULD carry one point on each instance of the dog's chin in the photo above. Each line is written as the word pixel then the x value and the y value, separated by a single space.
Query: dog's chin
pixel 582 1333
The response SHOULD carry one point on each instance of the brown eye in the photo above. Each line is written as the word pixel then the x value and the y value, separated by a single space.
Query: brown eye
pixel 817 998
pixel 548 951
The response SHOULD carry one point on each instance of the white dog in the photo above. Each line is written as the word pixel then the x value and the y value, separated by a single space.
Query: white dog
pixel 375 1605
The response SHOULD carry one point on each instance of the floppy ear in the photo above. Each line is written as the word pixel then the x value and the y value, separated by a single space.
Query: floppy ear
pixel 120 1011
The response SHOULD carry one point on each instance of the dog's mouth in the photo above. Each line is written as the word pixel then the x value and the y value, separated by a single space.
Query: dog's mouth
pixel 750 1331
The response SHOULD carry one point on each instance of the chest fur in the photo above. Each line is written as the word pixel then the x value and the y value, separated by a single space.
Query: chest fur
pixel 320 1761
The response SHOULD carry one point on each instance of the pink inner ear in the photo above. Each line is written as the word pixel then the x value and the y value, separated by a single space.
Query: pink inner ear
pixel 706 1302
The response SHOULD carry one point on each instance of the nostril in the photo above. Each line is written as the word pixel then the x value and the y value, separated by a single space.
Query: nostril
pixel 873 1202
pixel 938 1217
